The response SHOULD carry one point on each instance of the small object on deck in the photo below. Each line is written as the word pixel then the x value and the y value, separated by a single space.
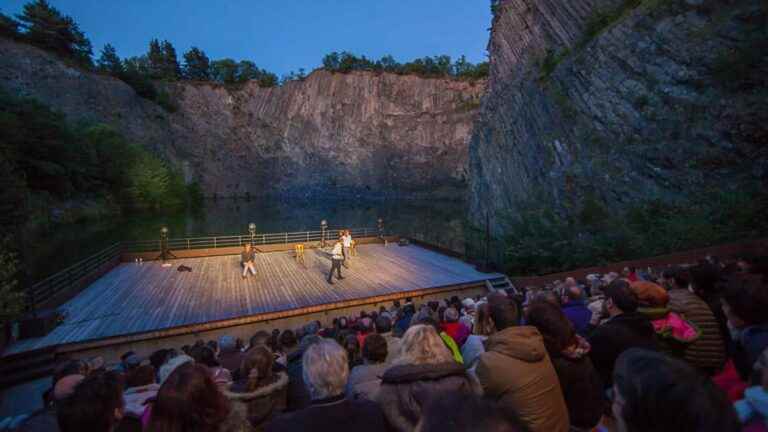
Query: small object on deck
pixel 403 242
pixel 299 253
pixel 183 268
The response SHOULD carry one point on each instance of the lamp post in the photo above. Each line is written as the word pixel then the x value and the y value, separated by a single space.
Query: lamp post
pixel 164 243
pixel 252 230
pixel 380 222
pixel 323 227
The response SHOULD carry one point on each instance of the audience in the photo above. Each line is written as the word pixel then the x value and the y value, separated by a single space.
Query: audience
pixel 325 371
pixel 569 353
pixel 516 371
pixel 424 369
pixel 401 368
pixel 261 393
pixel 654 392
pixel 625 328
pixel 365 379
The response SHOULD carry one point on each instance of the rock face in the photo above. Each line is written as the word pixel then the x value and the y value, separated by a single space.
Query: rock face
pixel 357 133
pixel 619 101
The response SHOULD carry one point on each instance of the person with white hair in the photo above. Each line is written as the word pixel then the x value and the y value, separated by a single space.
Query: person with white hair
pixel 325 372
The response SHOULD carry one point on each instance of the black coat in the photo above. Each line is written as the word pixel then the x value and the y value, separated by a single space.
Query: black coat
pixel 405 389
pixel 582 390
pixel 609 340
pixel 336 414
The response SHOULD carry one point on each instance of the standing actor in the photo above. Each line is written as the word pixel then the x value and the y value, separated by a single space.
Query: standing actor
pixel 248 258
pixel 337 258
pixel 346 241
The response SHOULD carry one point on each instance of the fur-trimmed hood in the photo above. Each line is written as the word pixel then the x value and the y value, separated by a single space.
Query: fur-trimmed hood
pixel 279 384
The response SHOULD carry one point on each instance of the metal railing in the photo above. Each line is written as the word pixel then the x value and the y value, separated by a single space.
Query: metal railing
pixel 72 275
pixel 213 242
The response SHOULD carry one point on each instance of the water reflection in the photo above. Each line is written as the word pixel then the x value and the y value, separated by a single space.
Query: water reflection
pixel 438 222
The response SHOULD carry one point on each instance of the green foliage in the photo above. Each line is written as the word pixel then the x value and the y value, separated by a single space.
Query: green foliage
pixel 9 27
pixel 248 71
pixel 540 241
pixel 550 61
pixel 45 27
pixel 437 66
pixel 196 65
pixel 164 100
pixel 224 71
pixel 41 153
pixel 12 299
pixel 170 67
pixel 109 62
pixel 600 20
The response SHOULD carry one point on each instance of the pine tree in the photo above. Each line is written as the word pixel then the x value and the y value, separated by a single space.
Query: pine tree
pixel 47 28
pixel 196 65
pixel 8 26
pixel 109 62
pixel 224 70
pixel 171 69
pixel 156 59
pixel 247 70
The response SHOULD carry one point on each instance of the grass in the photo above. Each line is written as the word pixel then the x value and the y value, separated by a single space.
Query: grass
pixel 601 20
pixel 551 60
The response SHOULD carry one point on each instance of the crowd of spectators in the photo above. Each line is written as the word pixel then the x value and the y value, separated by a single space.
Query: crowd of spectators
pixel 683 348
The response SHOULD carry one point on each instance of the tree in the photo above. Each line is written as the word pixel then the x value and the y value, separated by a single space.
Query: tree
pixel 170 64
pixel 196 65
pixel 8 26
pixel 12 300
pixel 109 62
pixel 224 70
pixel 136 75
pixel 47 28
pixel 156 59
pixel 149 182
pixel 267 79
pixel 389 64
pixel 247 70
pixel 331 61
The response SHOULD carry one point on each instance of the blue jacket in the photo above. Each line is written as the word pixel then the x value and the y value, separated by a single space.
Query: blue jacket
pixel 578 313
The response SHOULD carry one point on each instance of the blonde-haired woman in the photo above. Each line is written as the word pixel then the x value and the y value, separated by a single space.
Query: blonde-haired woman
pixel 424 369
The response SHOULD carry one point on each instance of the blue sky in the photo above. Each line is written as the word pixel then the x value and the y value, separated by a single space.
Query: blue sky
pixel 281 35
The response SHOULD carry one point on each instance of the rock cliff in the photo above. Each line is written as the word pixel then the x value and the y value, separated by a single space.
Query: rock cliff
pixel 356 133
pixel 619 101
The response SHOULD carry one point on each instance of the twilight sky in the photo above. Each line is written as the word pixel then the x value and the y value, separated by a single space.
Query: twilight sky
pixel 281 35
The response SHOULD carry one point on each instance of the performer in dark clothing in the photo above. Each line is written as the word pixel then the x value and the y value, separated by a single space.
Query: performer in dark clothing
pixel 248 258
pixel 336 259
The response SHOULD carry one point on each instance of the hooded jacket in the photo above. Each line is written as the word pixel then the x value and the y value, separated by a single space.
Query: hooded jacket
pixel 580 384
pixel 516 371
pixel 609 340
pixel 405 389
pixel 262 404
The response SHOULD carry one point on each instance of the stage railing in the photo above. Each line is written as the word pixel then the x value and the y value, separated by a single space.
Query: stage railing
pixel 213 242
pixel 73 275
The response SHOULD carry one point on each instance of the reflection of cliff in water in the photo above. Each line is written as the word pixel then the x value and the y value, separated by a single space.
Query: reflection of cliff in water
pixel 437 222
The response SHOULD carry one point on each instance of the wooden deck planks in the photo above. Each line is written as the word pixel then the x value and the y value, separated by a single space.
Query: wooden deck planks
pixel 135 298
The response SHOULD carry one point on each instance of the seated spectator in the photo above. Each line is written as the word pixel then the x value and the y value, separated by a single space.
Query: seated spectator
pixel 128 361
pixel 403 320
pixel 579 381
pixel 352 345
pixel 172 364
pixel 364 328
pixel 365 379
pixel 456 330
pixel 483 328
pixel 468 308
pixel 452 346
pixel 230 356
pixel 707 354
pixel 674 333
pixel 260 338
pixel 464 412
pixel 325 372
pixel 260 394
pixel 64 385
pixel 95 405
pixel 189 400
pixel 705 283
pixel 516 371
pixel 752 409
pixel 424 369
pixel 575 308
pixel 158 358
pixel 140 386
pixel 206 357
pixel 625 328
pixel 653 392
pixel 745 302
pixel 298 395
pixel 383 327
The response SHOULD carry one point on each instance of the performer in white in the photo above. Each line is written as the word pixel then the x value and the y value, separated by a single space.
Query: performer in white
pixel 337 258
pixel 248 258
pixel 346 241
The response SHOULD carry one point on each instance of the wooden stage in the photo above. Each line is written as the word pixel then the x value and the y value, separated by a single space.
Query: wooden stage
pixel 148 300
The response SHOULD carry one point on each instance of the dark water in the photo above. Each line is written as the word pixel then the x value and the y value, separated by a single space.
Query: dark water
pixel 438 222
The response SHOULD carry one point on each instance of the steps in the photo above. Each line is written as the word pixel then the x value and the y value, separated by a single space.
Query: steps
pixel 27 366
pixel 502 284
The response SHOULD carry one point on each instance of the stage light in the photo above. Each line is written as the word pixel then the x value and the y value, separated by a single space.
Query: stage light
pixel 252 230
pixel 323 227
pixel 381 227
pixel 164 232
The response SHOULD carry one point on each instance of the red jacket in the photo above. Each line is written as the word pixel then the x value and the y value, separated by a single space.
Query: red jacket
pixel 458 331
